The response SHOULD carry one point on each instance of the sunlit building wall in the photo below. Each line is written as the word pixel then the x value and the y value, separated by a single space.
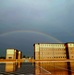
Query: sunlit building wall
pixel 13 54
pixel 19 55
pixel 70 47
pixel 54 51
pixel 36 52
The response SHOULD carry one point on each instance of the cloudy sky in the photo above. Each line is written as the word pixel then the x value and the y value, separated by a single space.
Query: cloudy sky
pixel 25 22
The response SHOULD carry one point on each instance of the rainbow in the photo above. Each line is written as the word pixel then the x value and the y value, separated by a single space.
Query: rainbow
pixel 29 31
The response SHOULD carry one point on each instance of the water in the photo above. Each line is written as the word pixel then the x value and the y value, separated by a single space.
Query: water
pixel 39 68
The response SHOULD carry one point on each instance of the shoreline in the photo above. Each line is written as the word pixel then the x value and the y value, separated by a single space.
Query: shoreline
pixel 22 60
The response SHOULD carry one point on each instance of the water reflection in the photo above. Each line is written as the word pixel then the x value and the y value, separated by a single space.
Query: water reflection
pixel 18 64
pixel 54 68
pixel 12 67
pixel 39 68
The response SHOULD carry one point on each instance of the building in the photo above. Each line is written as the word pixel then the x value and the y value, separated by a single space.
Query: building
pixel 53 51
pixel 13 54
pixel 19 55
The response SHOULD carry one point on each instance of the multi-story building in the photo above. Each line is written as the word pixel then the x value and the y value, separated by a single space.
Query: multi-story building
pixel 13 54
pixel 54 51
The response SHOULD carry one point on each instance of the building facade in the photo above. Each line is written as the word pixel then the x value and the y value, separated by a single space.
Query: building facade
pixel 19 55
pixel 13 54
pixel 54 51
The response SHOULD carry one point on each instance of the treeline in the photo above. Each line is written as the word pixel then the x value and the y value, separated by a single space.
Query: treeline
pixel 26 56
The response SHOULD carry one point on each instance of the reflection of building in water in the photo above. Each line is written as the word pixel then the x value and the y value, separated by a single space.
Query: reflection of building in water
pixel 10 67
pixel 72 65
pixel 13 54
pixel 18 64
pixel 54 68
pixel 51 51
pixel 37 69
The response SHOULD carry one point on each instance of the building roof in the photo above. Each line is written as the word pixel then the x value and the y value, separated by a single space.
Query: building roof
pixel 53 43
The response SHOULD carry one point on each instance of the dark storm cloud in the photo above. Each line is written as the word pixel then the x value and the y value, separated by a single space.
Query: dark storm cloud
pixel 53 17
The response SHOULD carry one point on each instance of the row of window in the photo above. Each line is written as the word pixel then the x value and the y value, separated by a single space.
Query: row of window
pixel 53 57
pixel 52 49
pixel 72 52
pixel 71 48
pixel 72 56
pixel 50 53
pixel 52 45
pixel 56 63
pixel 71 44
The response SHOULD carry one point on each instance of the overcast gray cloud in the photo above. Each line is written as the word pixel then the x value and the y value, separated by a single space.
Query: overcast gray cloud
pixel 52 17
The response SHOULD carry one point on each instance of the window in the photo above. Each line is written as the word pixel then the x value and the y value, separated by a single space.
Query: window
pixel 72 56
pixel 10 57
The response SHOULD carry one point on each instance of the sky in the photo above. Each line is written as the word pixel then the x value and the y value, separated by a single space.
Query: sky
pixel 25 22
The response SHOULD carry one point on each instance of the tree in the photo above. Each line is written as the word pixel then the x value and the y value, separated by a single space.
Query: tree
pixel 24 56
